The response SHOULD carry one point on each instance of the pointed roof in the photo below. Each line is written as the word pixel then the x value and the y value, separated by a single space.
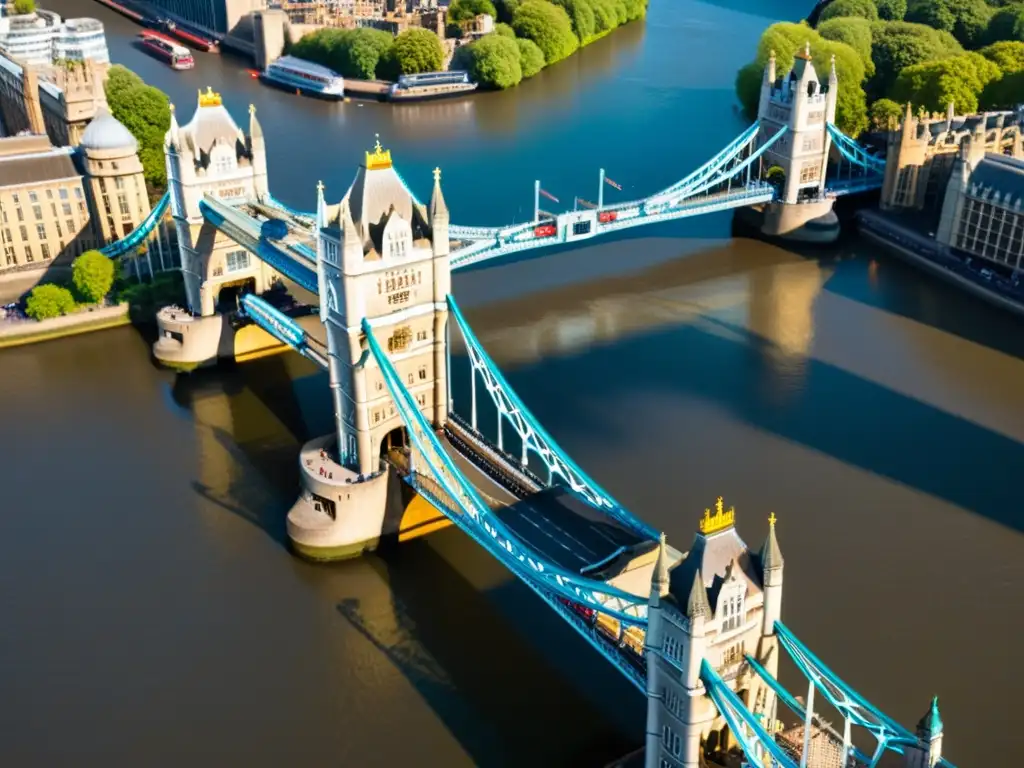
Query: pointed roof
pixel 931 724
pixel 438 207
pixel 660 578
pixel 697 603
pixel 771 555
pixel 255 129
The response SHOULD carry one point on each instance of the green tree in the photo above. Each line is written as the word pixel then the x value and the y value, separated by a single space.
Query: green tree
pixel 146 112
pixel 92 274
pixel 1006 24
pixel 548 26
pixel 883 112
pixel 417 50
pixel 967 20
pixel 776 176
pixel 856 33
pixel 352 53
pixel 1003 93
pixel 492 61
pixel 48 301
pixel 1008 55
pixel 506 9
pixel 934 85
pixel 24 6
pixel 891 10
pixel 865 9
pixel 581 14
pixel 466 10
pixel 504 30
pixel 896 45
pixel 748 87
pixel 531 58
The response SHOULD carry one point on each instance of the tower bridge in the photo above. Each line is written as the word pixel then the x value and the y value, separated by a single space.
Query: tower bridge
pixel 698 632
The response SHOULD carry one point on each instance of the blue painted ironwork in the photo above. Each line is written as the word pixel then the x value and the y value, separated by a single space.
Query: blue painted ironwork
pixel 473 516
pixel 283 328
pixel 245 231
pixel 534 437
pixel 853 151
pixel 757 744
pixel 712 168
pixel 137 236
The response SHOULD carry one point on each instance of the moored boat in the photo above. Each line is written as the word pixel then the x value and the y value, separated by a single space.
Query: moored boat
pixel 431 85
pixel 162 47
pixel 294 74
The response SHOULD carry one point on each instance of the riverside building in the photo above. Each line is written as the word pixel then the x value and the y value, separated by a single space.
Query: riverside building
pixel 42 38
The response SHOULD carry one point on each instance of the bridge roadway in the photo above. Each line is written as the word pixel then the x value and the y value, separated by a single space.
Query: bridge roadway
pixel 550 521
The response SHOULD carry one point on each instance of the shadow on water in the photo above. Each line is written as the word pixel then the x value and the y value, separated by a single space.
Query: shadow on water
pixel 900 288
pixel 457 669
pixel 839 414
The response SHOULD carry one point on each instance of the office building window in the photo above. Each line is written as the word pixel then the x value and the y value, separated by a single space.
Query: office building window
pixel 24 232
pixel 49 194
pixel 423 373
pixel 119 182
pixel 4 212
pixel 37 211
pixel 33 197
pixel 63 193
pixel 14 198
pixel 122 203
pixel 66 208
pixel 46 251
pixel 7 235
pixel 53 208
pixel 41 231
pixel 12 260
pixel 71 226
pixel 28 254
pixel 78 193
pixel 60 232
pixel 21 216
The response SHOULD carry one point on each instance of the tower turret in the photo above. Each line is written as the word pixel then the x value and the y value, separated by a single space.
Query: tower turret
pixel 258 154
pixel 928 753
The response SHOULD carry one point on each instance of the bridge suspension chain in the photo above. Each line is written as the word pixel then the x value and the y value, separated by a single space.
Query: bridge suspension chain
pixel 534 437
pixel 474 517
pixel 135 238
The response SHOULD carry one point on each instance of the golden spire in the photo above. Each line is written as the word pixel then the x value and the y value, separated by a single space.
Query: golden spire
pixel 209 99
pixel 437 174
pixel 721 520
pixel 772 519
pixel 380 158
pixel 252 110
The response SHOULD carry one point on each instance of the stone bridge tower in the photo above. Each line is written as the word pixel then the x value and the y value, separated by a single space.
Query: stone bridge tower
pixel 719 603
pixel 211 155
pixel 799 102
pixel 383 257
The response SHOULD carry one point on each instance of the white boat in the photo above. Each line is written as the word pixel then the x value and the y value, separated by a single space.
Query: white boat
pixel 301 76
pixel 431 85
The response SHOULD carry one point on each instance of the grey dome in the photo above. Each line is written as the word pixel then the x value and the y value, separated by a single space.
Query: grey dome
pixel 105 132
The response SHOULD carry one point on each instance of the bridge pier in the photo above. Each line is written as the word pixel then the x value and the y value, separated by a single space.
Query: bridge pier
pixel 813 221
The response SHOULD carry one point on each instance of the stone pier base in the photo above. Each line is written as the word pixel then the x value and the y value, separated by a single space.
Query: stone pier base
pixel 810 222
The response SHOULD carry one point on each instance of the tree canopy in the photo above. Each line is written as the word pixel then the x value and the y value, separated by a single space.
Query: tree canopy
pixel 505 30
pixel 1007 23
pixel 896 45
pixel 967 20
pixel 417 50
pixel 48 301
pixel 934 85
pixel 92 274
pixel 146 112
pixel 531 58
pixel 884 112
pixel 24 6
pixel 548 26
pixel 865 9
pixel 856 33
pixel 1008 55
pixel 891 10
pixel 467 10
pixel 492 61
pixel 352 53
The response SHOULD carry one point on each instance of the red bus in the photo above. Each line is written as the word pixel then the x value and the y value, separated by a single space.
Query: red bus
pixel 545 230
pixel 606 216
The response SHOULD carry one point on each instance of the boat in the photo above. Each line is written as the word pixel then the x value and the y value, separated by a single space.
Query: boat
pixel 301 76
pixel 165 49
pixel 431 85
pixel 185 35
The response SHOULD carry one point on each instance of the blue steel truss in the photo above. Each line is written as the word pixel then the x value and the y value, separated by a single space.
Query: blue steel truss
pixel 468 511
pixel 889 734
pixel 534 437
pixel 757 744
pixel 854 152
pixel 713 167
pixel 245 231
pixel 283 328
pixel 136 237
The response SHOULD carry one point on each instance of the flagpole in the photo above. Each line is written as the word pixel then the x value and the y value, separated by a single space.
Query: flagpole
pixel 600 191
pixel 536 201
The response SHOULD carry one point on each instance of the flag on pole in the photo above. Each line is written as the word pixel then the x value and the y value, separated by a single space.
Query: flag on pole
pixel 548 195
pixel 585 203
pixel 611 183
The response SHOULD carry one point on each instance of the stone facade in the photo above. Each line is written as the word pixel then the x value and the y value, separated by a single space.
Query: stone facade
pixel 718 603
pixel 211 155
pixel 921 152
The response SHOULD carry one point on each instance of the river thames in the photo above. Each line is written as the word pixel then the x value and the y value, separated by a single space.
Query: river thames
pixel 153 616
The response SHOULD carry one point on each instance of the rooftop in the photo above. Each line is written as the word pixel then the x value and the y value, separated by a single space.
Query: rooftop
pixel 106 132
pixel 31 159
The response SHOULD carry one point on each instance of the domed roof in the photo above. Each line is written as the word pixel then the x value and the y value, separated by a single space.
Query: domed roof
pixel 106 132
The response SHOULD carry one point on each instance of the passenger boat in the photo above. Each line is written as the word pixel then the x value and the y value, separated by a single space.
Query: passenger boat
pixel 301 76
pixel 431 85
pixel 165 49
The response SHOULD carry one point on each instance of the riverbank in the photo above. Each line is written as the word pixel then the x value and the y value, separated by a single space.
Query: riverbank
pixel 20 333
pixel 922 252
